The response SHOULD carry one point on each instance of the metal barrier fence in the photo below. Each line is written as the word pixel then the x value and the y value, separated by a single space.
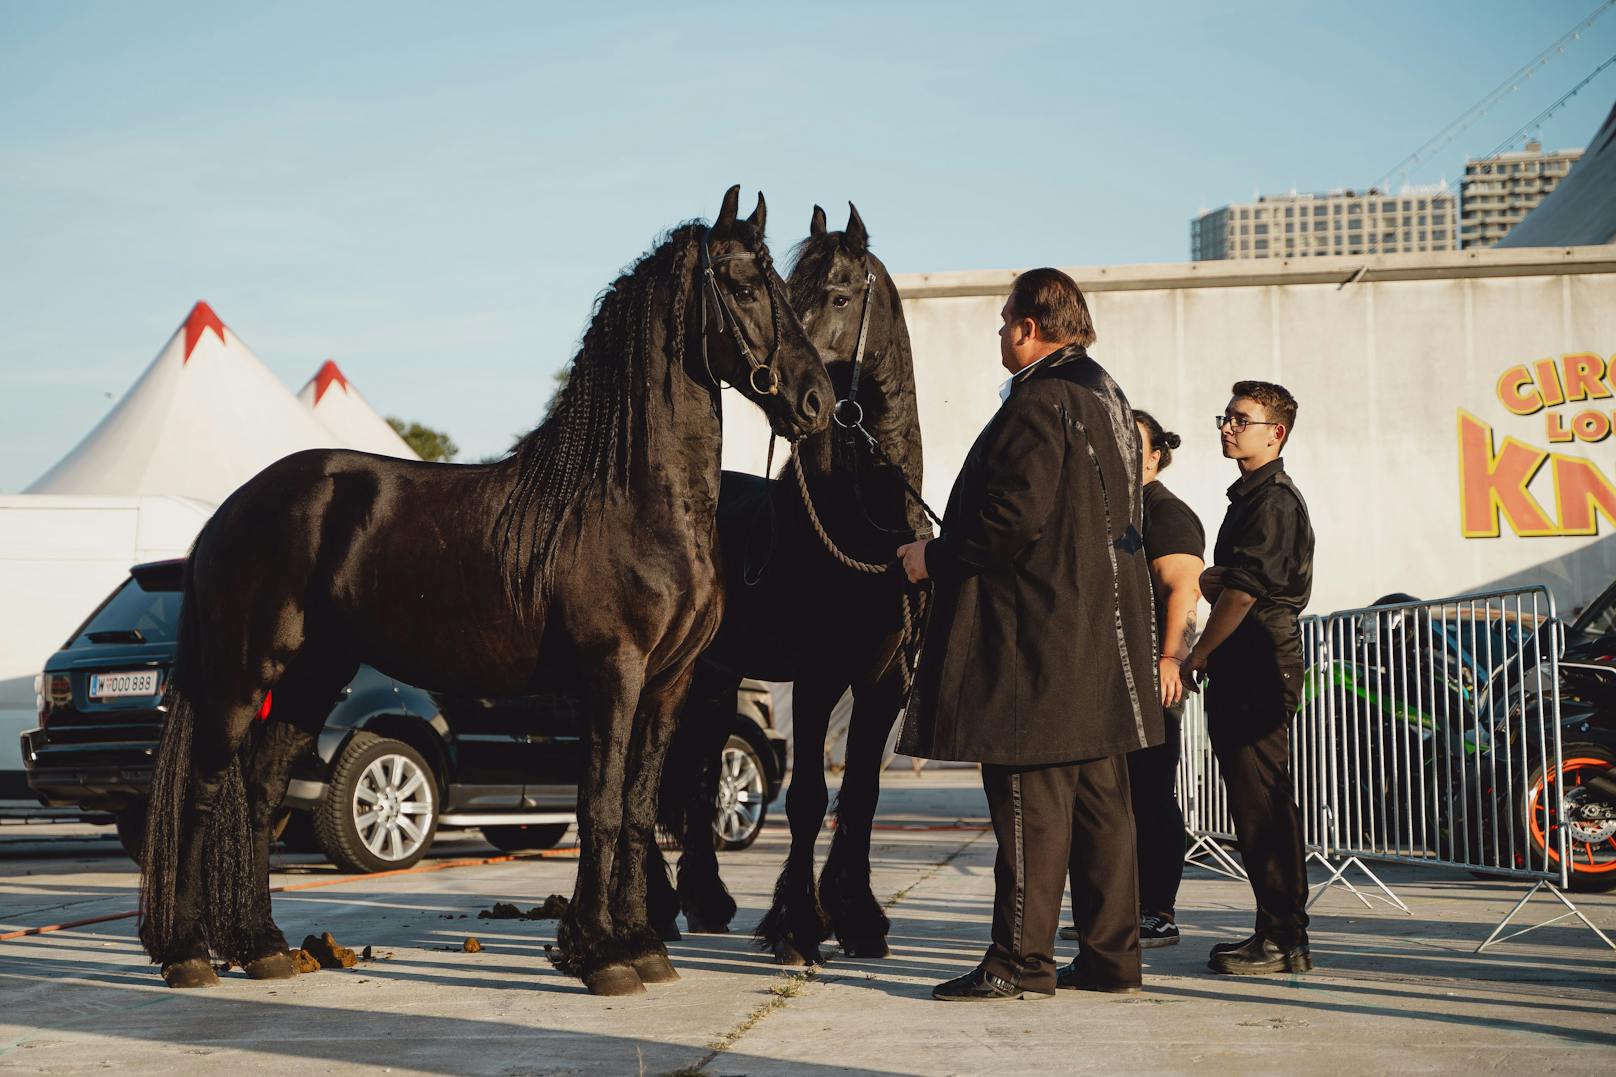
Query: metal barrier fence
pixel 1429 733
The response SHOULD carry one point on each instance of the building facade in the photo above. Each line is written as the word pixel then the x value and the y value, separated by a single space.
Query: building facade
pixel 1497 192
pixel 1346 222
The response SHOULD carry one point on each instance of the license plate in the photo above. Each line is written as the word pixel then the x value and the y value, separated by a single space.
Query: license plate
pixel 142 682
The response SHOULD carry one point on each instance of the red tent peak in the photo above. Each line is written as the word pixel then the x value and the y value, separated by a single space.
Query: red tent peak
pixel 198 321
pixel 327 374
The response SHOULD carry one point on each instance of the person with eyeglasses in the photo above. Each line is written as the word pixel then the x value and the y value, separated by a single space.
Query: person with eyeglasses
pixel 1251 652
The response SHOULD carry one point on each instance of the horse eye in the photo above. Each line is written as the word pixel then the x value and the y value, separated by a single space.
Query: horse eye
pixel 839 301
pixel 744 294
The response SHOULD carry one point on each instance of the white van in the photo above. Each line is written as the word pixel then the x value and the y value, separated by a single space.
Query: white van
pixel 60 556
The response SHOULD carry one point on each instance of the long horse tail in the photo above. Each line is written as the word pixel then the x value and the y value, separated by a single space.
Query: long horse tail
pixel 227 885
pixel 160 855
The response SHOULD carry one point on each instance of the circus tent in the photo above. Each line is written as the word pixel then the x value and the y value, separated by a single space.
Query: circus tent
pixel 1580 211
pixel 202 419
pixel 345 412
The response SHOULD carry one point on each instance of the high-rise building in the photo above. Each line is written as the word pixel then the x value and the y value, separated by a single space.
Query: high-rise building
pixel 1340 222
pixel 1498 191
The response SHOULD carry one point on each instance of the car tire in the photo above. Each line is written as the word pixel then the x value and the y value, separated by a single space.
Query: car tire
pixel 743 790
pixel 519 837
pixel 131 824
pixel 377 776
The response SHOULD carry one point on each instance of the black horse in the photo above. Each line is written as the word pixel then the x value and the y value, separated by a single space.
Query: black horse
pixel 795 610
pixel 584 562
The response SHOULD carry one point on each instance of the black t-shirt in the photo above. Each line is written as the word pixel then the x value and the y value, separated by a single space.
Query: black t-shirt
pixel 1170 527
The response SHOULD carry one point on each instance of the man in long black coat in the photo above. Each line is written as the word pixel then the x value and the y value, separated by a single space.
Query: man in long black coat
pixel 1039 661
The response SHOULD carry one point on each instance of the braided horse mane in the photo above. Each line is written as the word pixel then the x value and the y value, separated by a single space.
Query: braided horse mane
pixel 601 419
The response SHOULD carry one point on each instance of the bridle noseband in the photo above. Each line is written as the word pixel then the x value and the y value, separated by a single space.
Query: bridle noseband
pixel 727 322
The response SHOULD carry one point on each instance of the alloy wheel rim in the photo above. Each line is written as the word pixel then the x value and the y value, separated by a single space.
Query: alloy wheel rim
pixel 392 807
pixel 740 795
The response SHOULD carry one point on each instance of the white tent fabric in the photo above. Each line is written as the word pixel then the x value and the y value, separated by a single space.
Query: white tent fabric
pixel 205 417
pixel 346 413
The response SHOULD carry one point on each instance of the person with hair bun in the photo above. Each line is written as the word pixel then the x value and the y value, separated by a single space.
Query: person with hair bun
pixel 1175 544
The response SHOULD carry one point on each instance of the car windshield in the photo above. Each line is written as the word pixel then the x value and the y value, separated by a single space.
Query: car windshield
pixel 1599 619
pixel 150 607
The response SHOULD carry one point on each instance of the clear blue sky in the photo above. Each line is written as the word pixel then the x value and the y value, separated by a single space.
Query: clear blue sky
pixel 432 194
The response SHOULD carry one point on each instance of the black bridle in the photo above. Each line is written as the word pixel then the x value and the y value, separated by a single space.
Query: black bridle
pixel 849 414
pixel 727 322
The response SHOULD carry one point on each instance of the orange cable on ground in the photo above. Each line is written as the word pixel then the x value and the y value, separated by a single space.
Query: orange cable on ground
pixel 419 869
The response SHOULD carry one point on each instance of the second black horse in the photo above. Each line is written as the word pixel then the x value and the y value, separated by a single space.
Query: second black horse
pixel 796 609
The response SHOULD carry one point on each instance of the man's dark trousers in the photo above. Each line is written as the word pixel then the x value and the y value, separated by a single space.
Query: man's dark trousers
pixel 1038 813
pixel 1251 739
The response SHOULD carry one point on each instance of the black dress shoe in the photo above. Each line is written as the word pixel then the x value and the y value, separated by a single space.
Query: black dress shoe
pixel 1225 947
pixel 1257 956
pixel 1070 979
pixel 979 985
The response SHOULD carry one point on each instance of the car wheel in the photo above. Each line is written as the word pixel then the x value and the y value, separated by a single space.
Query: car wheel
pixel 516 838
pixel 131 824
pixel 1591 837
pixel 380 810
pixel 742 795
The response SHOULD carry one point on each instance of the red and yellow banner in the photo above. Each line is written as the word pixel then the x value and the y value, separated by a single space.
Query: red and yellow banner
pixel 1496 479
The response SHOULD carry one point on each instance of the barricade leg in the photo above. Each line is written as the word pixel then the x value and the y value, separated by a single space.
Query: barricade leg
pixel 1338 875
pixel 1573 911
pixel 1218 861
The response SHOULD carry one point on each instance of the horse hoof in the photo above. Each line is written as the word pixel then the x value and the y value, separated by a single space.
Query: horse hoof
pixel 195 972
pixel 698 926
pixel 271 967
pixel 865 948
pixel 669 932
pixel 787 954
pixel 655 969
pixel 615 980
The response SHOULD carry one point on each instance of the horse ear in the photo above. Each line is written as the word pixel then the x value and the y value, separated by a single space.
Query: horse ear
pixel 816 223
pixel 731 206
pixel 856 235
pixel 759 215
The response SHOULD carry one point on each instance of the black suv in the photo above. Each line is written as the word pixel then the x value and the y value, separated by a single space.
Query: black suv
pixel 508 766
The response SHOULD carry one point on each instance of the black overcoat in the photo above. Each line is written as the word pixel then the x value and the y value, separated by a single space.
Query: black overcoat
pixel 1042 645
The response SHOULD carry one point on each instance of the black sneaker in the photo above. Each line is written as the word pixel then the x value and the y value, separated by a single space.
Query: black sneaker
pixel 980 985
pixel 1157 931
pixel 1070 933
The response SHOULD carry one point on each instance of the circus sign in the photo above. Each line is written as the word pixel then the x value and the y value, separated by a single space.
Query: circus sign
pixel 1541 484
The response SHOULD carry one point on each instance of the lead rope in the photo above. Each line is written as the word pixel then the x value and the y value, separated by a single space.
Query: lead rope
pixel 912 606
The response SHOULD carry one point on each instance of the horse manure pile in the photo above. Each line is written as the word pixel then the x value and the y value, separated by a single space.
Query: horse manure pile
pixel 324 952
pixel 554 907
pixel 471 945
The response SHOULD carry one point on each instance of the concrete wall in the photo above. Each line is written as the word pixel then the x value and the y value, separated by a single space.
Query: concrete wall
pixel 1387 355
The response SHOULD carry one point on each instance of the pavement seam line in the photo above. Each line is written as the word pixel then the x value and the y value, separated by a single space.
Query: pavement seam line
pixel 791 984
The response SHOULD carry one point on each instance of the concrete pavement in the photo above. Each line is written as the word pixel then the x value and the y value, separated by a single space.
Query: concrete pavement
pixel 1393 992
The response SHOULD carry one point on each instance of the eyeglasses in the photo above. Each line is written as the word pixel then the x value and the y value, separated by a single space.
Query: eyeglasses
pixel 1238 423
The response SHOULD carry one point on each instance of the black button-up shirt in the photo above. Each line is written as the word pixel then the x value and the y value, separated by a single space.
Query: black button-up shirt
pixel 1265 548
